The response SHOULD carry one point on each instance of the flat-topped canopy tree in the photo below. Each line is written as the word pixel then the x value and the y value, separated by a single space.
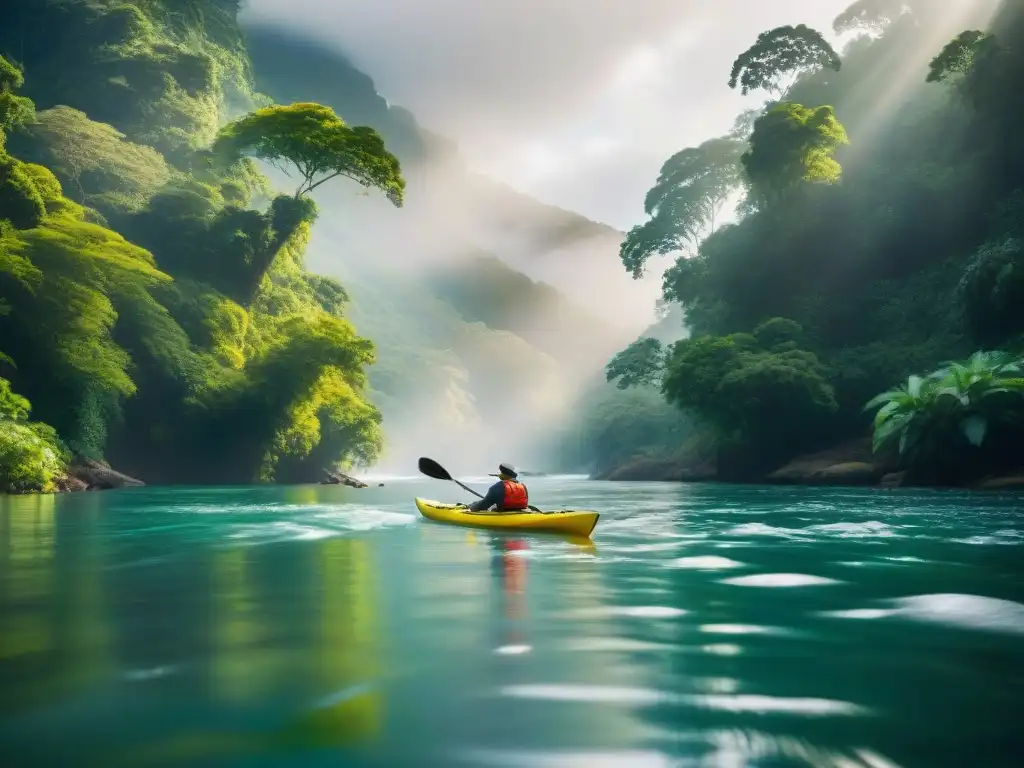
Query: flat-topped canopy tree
pixel 313 140
pixel 779 56
pixel 691 191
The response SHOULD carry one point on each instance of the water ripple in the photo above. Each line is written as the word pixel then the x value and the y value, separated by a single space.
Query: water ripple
pixel 779 580
pixel 954 610
pixel 597 694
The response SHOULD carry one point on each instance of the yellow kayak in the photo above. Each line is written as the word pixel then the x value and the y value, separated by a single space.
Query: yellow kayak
pixel 578 523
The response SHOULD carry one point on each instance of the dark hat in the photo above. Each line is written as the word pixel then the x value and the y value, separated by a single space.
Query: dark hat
pixel 506 469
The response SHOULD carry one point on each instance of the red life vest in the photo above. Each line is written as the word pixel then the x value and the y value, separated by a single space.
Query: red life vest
pixel 516 496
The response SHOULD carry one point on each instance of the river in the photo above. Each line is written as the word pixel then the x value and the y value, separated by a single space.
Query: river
pixel 705 626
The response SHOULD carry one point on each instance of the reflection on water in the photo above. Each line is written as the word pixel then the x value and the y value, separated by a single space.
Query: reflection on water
pixel 236 672
pixel 510 565
pixel 166 627
pixel 27 578
pixel 349 648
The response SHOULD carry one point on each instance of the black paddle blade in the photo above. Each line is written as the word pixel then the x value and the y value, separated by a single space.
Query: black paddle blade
pixel 431 468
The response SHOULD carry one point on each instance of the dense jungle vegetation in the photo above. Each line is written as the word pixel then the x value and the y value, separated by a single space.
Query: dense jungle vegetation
pixel 878 236
pixel 154 306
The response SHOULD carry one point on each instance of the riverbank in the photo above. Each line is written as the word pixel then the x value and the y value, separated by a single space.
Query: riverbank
pixel 88 475
pixel 851 463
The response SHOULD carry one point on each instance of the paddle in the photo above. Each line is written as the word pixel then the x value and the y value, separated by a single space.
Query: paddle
pixel 431 468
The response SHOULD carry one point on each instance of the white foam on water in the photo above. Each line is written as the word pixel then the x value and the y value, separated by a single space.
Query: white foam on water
pixel 986 614
pixel 808 707
pixel 1004 538
pixel 741 629
pixel 760 529
pixel 779 580
pixel 861 613
pixel 603 694
pixel 617 645
pixel 774 704
pixel 513 650
pixel 967 611
pixel 867 530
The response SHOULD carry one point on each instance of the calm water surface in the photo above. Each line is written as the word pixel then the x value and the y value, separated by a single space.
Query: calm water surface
pixel 706 626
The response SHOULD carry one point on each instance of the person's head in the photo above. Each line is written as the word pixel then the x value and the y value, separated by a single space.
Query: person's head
pixel 506 472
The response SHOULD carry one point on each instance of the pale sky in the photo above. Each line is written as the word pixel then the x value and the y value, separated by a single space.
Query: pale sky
pixel 576 102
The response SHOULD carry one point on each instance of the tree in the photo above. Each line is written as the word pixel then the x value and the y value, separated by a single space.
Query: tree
pixel 791 144
pixel 779 57
pixel 94 161
pixel 639 364
pixel 957 57
pixel 317 143
pixel 691 191
pixel 743 125
pixel 765 404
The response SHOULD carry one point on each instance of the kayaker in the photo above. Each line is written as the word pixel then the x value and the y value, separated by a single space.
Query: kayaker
pixel 506 495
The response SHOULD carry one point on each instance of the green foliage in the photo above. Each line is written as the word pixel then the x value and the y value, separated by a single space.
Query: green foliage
pixel 958 56
pixel 639 364
pixel 691 191
pixel 778 333
pixel 991 292
pixel 14 109
pixel 30 458
pixel 11 78
pixel 146 354
pixel 778 56
pixel 20 200
pixel 31 455
pixel 164 74
pixel 313 140
pixel 196 234
pixel 776 397
pixel 47 185
pixel 792 144
pixel 940 424
pixel 621 426
pixel 93 161
pixel 926 222
pixel 13 406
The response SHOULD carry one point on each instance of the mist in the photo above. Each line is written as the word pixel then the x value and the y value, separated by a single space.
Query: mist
pixel 575 103
pixel 557 112
pixel 488 395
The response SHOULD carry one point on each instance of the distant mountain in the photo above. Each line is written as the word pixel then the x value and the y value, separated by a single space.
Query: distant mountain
pixel 489 310
pixel 450 210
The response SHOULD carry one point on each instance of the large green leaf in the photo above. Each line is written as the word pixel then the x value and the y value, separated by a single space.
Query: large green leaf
pixel 886 412
pixel 884 397
pixel 888 430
